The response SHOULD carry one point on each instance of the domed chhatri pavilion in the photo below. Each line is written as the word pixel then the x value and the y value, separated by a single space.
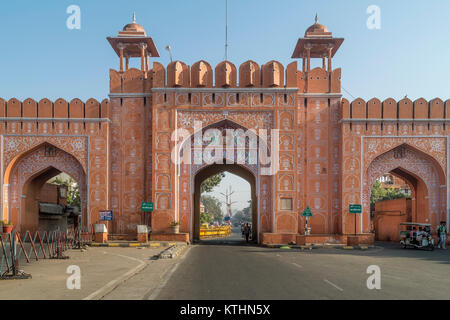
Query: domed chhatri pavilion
pixel 151 141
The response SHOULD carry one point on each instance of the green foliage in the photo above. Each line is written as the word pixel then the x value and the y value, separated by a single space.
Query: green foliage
pixel 209 184
pixel 244 215
pixel 73 191
pixel 213 209
pixel 378 193
pixel 205 218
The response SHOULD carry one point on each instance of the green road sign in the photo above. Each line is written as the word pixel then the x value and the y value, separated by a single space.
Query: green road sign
pixel 307 212
pixel 355 208
pixel 147 206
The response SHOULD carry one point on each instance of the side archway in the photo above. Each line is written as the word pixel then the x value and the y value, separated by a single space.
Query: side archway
pixel 24 178
pixel 421 172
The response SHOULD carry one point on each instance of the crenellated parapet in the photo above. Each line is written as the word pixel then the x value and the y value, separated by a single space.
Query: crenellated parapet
pixel 391 110
pixel 226 76
pixel 59 110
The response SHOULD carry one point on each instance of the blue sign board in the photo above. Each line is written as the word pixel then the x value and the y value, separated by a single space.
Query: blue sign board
pixel 106 215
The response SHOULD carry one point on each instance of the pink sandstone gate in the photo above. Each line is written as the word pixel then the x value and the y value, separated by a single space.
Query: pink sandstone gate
pixel 327 146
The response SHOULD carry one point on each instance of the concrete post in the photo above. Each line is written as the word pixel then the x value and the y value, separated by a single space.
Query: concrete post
pixel 101 233
pixel 142 233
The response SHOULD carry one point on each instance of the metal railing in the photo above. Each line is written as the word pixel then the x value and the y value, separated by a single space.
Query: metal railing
pixel 17 248
pixel 215 232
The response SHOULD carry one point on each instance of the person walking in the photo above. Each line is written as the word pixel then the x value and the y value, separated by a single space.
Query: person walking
pixel 442 232
pixel 247 231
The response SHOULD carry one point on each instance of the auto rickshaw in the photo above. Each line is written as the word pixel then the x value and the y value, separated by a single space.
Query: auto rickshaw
pixel 416 235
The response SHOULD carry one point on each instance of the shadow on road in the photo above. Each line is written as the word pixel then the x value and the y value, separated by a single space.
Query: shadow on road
pixel 383 250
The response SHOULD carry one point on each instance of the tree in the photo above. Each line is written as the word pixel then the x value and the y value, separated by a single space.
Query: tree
pixel 213 208
pixel 205 218
pixel 73 191
pixel 244 215
pixel 209 184
pixel 379 193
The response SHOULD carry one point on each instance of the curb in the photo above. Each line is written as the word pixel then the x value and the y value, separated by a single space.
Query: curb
pixel 134 244
pixel 172 252
pixel 320 246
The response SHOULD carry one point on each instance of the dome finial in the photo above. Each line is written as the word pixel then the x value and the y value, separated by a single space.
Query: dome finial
pixel 317 18
pixel 134 17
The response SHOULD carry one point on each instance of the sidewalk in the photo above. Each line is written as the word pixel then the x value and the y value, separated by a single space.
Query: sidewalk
pixel 102 270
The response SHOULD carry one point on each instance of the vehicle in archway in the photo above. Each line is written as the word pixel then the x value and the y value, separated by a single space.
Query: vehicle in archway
pixel 416 235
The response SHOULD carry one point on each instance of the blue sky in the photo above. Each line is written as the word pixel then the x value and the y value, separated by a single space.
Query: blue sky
pixel 241 188
pixel 40 57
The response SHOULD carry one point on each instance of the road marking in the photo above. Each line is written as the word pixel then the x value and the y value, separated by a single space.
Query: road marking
pixel 110 286
pixel 297 265
pixel 332 284
pixel 278 255
pixel 166 279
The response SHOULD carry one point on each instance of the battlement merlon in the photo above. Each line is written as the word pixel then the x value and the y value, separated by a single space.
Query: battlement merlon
pixel 59 110
pixel 405 110
pixel 250 75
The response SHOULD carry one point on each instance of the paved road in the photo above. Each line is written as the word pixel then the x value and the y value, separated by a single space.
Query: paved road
pixel 233 272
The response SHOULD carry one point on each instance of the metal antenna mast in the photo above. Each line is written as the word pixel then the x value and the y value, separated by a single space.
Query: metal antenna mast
pixel 226 30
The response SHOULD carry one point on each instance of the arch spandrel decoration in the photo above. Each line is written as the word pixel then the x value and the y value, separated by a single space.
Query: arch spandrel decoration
pixel 435 147
pixel 252 120
pixel 14 146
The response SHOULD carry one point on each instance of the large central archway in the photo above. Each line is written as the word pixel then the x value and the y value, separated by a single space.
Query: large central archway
pixel 211 170
pixel 242 159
